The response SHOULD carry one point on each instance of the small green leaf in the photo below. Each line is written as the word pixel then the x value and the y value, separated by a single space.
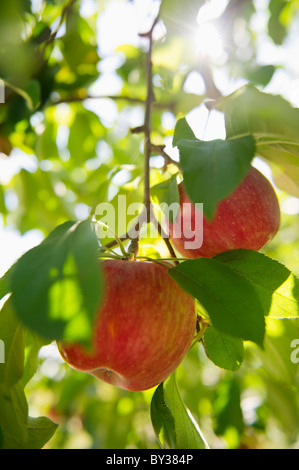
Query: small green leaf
pixel 4 283
pixel 173 424
pixel 1 438
pixel 230 300
pixel 13 411
pixel 182 131
pixel 56 286
pixel 227 406
pixel 276 29
pixel 276 286
pixel 13 336
pixel 224 350
pixel 273 122
pixel 166 194
pixel 30 91
pixel 213 169
pixel 33 344
pixel 261 75
pixel 39 432
pixel 85 131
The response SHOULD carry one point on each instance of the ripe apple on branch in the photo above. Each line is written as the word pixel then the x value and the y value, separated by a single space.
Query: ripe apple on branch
pixel 143 329
pixel 248 218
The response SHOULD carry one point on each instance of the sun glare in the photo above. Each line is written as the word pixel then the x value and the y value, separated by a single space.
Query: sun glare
pixel 207 37
pixel 208 41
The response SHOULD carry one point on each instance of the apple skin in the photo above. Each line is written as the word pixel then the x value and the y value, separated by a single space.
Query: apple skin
pixel 143 329
pixel 248 218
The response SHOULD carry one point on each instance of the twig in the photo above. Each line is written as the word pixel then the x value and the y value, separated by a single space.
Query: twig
pixel 212 92
pixel 147 121
pixel 147 215
pixel 66 10
pixel 160 150
pixel 165 238
pixel 75 99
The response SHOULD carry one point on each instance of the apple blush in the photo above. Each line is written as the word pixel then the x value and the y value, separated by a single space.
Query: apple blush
pixel 144 327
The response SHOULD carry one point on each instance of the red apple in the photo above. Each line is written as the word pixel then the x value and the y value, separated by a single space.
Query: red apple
pixel 143 329
pixel 248 218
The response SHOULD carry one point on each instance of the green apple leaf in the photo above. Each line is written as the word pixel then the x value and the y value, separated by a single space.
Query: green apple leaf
pixel 13 337
pixel 1 438
pixel 56 286
pixel 225 351
pixel 276 28
pixel 182 131
pixel 166 194
pixel 30 91
pixel 85 132
pixel 276 358
pixel 39 432
pixel 260 75
pixel 231 301
pixel 227 406
pixel 33 343
pixel 173 424
pixel 18 430
pixel 213 169
pixel 4 283
pixel 276 285
pixel 273 123
pixel 13 412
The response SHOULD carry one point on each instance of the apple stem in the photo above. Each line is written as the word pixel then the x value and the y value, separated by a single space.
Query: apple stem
pixel 147 215
pixel 202 324
pixel 117 239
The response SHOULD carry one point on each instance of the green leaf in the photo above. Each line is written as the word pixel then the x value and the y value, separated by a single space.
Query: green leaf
pixel 227 406
pixel 30 91
pixel 173 424
pixel 19 366
pixel 276 29
pixel 85 131
pixel 46 145
pixel 224 350
pixel 13 336
pixel 230 300
pixel 13 412
pixel 56 286
pixel 4 283
pixel 119 214
pixel 1 438
pixel 213 169
pixel 261 75
pixel 79 36
pixel 182 131
pixel 13 404
pixel 40 431
pixel 33 344
pixel 165 194
pixel 276 285
pixel 273 123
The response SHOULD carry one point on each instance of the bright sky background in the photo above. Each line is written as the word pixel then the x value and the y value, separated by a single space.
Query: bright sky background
pixel 120 23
